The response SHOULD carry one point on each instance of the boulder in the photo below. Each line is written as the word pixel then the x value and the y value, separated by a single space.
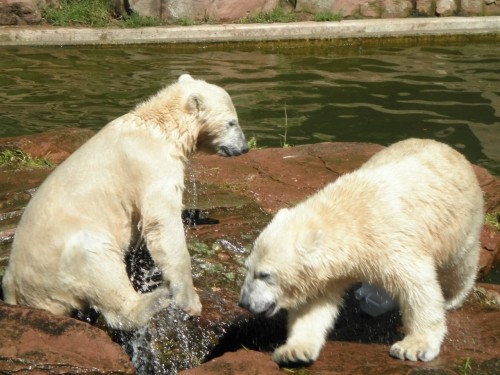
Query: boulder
pixel 37 342
pixel 19 12
pixel 446 7
pixel 346 8
pixel 480 7
pixel 396 8
pixel 425 7
pixel 170 11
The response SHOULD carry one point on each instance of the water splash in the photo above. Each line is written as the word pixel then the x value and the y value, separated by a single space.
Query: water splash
pixel 171 342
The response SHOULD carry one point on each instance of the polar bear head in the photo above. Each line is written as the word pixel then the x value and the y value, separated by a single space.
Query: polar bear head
pixel 214 111
pixel 284 268
pixel 194 114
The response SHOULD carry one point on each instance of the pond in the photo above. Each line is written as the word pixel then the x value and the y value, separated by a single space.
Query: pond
pixel 310 92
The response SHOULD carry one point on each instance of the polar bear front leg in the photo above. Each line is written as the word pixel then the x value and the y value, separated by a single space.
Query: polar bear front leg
pixel 308 327
pixel 168 248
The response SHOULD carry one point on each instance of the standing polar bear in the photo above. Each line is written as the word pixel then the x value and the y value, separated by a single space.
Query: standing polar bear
pixel 125 183
pixel 408 220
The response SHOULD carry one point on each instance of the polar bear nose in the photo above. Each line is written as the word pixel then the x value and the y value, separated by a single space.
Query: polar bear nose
pixel 244 305
pixel 243 302
pixel 233 151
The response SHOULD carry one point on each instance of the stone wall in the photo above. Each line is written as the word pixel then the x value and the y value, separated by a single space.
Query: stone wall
pixel 27 12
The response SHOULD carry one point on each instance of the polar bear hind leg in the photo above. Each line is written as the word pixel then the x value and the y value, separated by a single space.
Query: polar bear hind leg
pixel 99 278
pixel 422 306
pixel 457 280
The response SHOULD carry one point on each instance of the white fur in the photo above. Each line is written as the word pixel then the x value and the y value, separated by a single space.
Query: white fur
pixel 408 220
pixel 125 182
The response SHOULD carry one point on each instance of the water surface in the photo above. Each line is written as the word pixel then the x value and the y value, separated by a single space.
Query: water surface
pixel 313 94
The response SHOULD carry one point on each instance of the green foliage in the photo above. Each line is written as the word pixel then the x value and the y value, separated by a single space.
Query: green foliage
pixel 493 219
pixel 185 22
pixel 19 159
pixel 327 16
pixel 135 20
pixel 94 13
pixel 278 15
pixel 284 136
pixel 252 143
pixel 465 367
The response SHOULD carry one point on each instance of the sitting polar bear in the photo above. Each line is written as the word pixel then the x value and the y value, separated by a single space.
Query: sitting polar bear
pixel 408 220
pixel 124 184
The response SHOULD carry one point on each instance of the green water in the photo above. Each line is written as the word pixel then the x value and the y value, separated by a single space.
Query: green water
pixel 321 93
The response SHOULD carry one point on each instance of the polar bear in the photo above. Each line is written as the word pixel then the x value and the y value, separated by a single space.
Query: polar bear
pixel 408 220
pixel 124 184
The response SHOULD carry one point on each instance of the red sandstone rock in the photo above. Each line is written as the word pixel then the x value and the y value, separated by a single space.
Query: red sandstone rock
pixel 269 179
pixel 37 342
pixel 54 146
pixel 473 335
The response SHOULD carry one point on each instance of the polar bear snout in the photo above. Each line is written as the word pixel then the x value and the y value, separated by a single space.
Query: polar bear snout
pixel 232 151
pixel 258 298
pixel 233 143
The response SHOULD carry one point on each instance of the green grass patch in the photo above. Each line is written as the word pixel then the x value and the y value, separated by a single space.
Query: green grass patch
pixel 278 15
pixel 19 159
pixel 252 143
pixel 465 367
pixel 93 13
pixel 135 20
pixel 493 219
pixel 327 17
pixel 96 13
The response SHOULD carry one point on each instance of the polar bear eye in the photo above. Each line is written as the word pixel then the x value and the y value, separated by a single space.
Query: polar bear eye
pixel 232 123
pixel 263 276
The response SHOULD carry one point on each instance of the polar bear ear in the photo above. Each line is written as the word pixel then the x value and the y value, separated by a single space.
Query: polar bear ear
pixel 309 242
pixel 185 78
pixel 195 103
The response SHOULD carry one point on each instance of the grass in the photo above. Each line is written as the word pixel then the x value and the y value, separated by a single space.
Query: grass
pixel 493 219
pixel 252 143
pixel 284 136
pixel 465 367
pixel 278 15
pixel 327 17
pixel 19 159
pixel 94 13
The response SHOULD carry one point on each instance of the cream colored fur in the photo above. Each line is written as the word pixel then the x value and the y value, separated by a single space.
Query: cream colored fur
pixel 408 220
pixel 125 182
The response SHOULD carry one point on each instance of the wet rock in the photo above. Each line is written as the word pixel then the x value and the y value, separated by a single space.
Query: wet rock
pixel 232 200
pixel 242 362
pixel 37 342
pixel 359 345
pixel 54 146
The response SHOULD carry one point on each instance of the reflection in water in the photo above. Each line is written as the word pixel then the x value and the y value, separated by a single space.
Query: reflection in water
pixel 376 95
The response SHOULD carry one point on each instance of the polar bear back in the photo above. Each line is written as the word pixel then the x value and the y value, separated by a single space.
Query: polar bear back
pixel 416 190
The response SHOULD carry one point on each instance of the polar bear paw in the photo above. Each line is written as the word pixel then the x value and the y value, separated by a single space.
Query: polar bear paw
pixel 416 348
pixel 298 352
pixel 189 302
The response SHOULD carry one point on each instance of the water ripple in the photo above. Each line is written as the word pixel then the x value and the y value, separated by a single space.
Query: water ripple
pixel 370 95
